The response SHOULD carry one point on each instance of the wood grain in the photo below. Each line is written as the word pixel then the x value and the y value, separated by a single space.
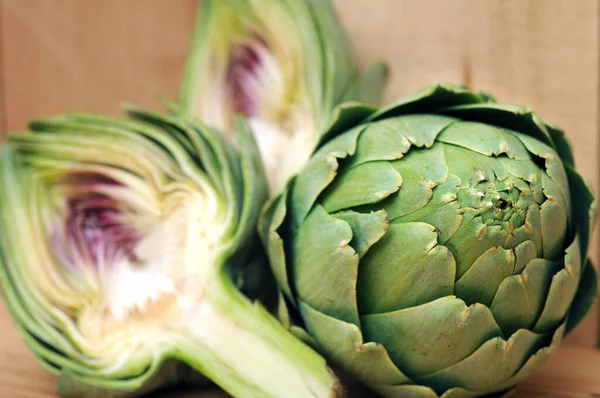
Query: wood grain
pixel 540 53
pixel 72 55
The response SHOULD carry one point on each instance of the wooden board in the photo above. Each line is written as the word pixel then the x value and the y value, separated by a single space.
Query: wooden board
pixel 72 55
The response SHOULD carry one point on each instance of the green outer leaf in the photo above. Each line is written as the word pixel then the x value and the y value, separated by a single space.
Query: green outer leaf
pixel 562 144
pixel 513 117
pixel 339 66
pixel 428 100
pixel 480 283
pixel 344 117
pixel 585 210
pixel 405 391
pixel 453 332
pixel 391 139
pixel 496 361
pixel 410 275
pixel 201 143
pixel 562 291
pixel 525 294
pixel 343 344
pixel 485 139
pixel 536 360
pixel 322 246
pixel 271 222
pixel 421 172
pixel 585 298
pixel 255 191
pixel 367 228
pixel 161 374
pixel 319 173
pixel 200 39
pixel 364 184
pixel 369 85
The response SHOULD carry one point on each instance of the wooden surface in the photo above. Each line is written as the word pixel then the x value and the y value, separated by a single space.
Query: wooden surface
pixel 70 55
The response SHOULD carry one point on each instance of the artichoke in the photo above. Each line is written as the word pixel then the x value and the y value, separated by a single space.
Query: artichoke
pixel 120 240
pixel 282 64
pixel 435 247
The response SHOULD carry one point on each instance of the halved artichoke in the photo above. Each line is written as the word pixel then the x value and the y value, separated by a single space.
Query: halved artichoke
pixel 119 241
pixel 435 247
pixel 282 64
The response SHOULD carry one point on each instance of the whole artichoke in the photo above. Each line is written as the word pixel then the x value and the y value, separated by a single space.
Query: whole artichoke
pixel 436 247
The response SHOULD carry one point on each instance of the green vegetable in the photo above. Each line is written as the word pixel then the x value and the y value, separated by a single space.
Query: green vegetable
pixel 119 239
pixel 435 247
pixel 284 64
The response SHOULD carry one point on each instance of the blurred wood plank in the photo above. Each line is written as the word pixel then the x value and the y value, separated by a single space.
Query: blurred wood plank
pixel 73 55
pixel 544 54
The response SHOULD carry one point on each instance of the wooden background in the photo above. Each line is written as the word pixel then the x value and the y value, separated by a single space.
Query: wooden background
pixel 71 55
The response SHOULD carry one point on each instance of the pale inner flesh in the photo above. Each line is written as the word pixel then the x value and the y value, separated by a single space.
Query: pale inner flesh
pixel 134 264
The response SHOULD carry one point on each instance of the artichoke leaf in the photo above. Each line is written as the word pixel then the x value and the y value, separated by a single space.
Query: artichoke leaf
pixel 323 248
pixel 492 363
pixel 343 344
pixel 585 298
pixel 562 290
pixel 284 65
pixel 414 336
pixel 410 275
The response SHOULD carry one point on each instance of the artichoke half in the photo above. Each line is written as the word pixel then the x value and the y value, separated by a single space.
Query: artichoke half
pixel 119 241
pixel 282 64
pixel 435 247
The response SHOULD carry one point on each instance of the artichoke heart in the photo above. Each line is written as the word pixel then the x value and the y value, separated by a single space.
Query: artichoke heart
pixel 282 64
pixel 123 240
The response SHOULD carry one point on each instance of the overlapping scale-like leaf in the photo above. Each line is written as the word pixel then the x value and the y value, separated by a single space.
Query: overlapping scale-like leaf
pixel 409 276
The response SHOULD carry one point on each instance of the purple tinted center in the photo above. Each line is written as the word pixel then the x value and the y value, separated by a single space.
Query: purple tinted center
pixel 242 75
pixel 95 223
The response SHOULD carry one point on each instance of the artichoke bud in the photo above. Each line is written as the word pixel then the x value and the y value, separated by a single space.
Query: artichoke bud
pixel 283 65
pixel 439 236
pixel 118 239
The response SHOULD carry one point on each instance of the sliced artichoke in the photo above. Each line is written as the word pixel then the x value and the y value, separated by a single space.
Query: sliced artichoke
pixel 282 64
pixel 119 238
pixel 435 247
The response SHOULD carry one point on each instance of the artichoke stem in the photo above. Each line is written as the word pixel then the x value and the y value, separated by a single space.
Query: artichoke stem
pixel 245 351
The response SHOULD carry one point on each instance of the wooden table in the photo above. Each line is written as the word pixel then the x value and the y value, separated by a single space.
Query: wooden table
pixel 573 372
